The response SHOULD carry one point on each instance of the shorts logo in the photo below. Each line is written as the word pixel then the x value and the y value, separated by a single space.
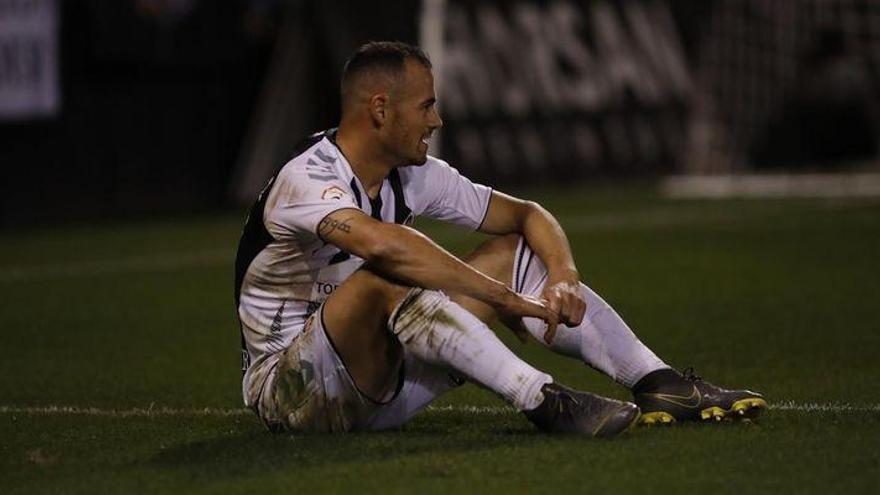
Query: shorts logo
pixel 245 360
pixel 333 192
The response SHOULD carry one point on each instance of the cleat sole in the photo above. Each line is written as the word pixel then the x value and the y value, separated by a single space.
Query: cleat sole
pixel 749 408
pixel 656 418
pixel 713 413
pixel 743 409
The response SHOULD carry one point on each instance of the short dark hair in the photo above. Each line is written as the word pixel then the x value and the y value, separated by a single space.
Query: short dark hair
pixel 380 56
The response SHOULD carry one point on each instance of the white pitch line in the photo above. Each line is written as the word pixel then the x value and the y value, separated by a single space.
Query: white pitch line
pixel 824 407
pixel 834 407
pixel 853 185
pixel 473 409
pixel 122 413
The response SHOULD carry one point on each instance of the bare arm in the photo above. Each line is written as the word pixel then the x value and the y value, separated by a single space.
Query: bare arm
pixel 545 236
pixel 409 256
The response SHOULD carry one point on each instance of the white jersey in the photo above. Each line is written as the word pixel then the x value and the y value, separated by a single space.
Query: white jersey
pixel 284 270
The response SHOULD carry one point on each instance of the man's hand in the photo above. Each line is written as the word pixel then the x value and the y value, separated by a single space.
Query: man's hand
pixel 545 236
pixel 514 307
pixel 565 300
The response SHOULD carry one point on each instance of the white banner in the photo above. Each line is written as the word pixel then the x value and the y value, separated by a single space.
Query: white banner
pixel 29 62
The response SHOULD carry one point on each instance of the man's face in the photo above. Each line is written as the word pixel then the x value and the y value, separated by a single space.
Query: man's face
pixel 413 116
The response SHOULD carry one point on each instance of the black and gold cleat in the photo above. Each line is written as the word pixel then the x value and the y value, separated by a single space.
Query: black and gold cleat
pixel 665 397
pixel 569 411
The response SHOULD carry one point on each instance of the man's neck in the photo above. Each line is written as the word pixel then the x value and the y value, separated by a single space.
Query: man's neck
pixel 366 161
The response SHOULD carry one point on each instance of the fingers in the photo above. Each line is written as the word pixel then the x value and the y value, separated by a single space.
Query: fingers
pixel 552 319
pixel 534 307
pixel 519 306
pixel 567 302
pixel 548 314
pixel 573 309
pixel 561 302
pixel 554 299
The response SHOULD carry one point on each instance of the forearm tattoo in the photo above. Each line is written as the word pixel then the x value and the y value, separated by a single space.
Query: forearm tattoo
pixel 330 225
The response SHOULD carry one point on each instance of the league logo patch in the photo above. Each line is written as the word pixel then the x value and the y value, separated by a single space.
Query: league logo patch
pixel 333 192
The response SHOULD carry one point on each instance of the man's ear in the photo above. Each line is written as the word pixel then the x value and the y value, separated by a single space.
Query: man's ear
pixel 379 108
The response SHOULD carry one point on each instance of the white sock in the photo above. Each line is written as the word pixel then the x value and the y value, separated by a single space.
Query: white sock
pixel 440 332
pixel 603 340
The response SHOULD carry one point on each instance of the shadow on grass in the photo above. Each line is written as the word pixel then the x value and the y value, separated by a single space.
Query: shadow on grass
pixel 251 449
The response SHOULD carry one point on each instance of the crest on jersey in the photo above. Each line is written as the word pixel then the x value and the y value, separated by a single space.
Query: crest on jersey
pixel 333 192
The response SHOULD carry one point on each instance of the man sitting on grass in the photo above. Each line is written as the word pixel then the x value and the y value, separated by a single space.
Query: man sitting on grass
pixel 352 320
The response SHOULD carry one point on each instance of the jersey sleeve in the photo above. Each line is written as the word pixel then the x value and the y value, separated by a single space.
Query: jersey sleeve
pixel 442 193
pixel 300 199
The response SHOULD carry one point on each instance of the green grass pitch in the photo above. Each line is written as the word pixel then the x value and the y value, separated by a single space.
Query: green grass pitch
pixel 131 325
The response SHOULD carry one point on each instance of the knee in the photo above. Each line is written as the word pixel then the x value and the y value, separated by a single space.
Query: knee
pixel 495 257
pixel 378 289
pixel 503 244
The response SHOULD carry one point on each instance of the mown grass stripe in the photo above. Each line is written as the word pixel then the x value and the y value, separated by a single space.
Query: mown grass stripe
pixel 122 413
pixel 153 263
pixel 836 407
pixel 579 223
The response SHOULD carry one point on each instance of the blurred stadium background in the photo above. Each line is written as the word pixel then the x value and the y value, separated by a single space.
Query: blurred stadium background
pixel 138 107
pixel 663 133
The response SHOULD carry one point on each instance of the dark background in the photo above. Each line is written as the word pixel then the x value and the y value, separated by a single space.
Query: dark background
pixel 159 105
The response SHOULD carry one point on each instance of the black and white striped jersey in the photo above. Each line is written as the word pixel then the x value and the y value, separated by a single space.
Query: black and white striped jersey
pixel 284 270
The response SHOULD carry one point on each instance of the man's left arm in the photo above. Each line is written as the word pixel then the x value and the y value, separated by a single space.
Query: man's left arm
pixel 507 215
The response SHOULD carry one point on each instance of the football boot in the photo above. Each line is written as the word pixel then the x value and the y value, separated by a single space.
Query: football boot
pixel 667 397
pixel 570 411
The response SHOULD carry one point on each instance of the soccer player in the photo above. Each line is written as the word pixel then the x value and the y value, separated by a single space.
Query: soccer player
pixel 352 320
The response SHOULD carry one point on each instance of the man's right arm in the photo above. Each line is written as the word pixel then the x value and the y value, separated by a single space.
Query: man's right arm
pixel 410 257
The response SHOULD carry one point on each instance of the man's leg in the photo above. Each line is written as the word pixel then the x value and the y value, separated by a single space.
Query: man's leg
pixel 428 325
pixel 605 342
pixel 354 318
pixel 360 313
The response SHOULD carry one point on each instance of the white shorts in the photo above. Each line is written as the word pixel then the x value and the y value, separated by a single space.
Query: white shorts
pixel 311 390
